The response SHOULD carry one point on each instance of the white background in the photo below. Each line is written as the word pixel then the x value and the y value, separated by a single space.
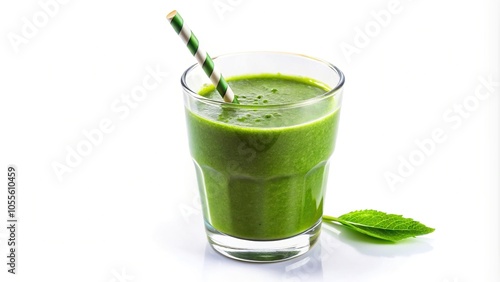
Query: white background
pixel 128 210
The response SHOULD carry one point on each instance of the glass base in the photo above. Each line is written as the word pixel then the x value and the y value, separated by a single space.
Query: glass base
pixel 263 251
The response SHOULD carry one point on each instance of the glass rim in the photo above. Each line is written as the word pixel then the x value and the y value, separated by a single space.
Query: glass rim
pixel 332 92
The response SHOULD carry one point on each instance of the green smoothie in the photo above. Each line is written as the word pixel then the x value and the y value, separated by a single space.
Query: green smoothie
pixel 262 167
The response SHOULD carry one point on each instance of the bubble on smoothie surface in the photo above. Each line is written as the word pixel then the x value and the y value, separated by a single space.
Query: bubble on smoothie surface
pixel 269 89
pixel 263 90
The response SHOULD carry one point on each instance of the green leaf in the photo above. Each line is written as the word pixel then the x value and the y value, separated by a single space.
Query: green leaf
pixel 390 227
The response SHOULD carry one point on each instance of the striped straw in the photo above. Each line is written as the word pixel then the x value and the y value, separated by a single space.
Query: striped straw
pixel 202 57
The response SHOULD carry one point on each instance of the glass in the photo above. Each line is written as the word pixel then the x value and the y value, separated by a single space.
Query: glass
pixel 262 184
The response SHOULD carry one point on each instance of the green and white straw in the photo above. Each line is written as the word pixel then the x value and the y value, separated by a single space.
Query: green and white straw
pixel 201 56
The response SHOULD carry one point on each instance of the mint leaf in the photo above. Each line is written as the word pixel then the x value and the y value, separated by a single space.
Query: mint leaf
pixel 390 227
